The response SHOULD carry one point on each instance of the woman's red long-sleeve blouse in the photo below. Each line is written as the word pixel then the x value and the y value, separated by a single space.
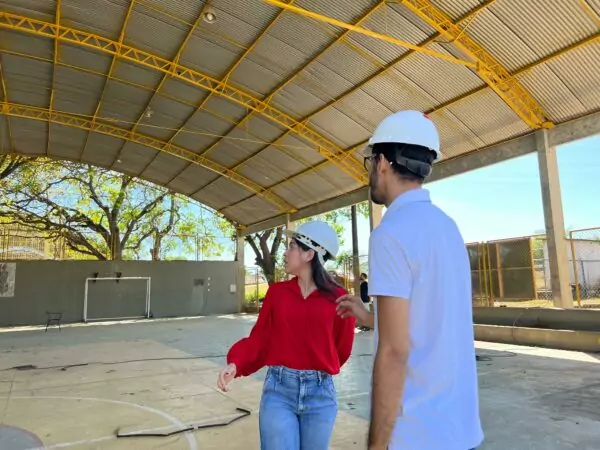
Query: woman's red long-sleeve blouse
pixel 298 333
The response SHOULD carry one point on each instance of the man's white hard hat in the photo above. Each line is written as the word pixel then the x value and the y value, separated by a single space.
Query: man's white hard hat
pixel 408 127
pixel 319 236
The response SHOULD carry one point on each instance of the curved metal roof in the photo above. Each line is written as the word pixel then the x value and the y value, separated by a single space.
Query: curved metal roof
pixel 265 110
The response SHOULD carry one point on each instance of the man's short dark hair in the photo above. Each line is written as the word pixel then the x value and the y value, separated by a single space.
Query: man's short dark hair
pixel 391 151
pixel 364 275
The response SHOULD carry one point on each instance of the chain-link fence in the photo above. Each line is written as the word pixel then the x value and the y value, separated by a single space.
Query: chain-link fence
pixel 18 243
pixel 585 260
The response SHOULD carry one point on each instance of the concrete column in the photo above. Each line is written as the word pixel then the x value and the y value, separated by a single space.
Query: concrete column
pixel 555 226
pixel 375 214
pixel 240 282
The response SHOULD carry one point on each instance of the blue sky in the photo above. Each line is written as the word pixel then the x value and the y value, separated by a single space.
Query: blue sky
pixel 505 200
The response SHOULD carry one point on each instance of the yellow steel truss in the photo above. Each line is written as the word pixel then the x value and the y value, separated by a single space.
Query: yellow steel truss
pixel 373 34
pixel 351 150
pixel 384 70
pixel 54 66
pixel 285 83
pixel 60 118
pixel 488 68
pixel 99 43
pixel 164 79
pixel 111 69
pixel 225 79
pixel 4 92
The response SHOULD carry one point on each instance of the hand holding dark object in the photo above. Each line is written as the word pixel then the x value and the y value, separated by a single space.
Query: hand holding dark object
pixel 225 377
pixel 352 306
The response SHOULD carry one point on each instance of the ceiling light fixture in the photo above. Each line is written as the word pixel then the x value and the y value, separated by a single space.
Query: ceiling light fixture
pixel 209 15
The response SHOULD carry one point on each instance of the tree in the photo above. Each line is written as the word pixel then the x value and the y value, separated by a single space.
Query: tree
pixel 267 245
pixel 10 162
pixel 99 213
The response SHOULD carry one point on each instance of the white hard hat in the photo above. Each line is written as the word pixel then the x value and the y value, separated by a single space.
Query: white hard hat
pixel 408 127
pixel 319 236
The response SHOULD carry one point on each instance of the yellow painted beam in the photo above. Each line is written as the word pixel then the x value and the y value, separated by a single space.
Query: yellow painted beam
pixel 488 68
pixel 164 79
pixel 83 123
pixel 351 150
pixel 150 89
pixel 383 71
pixel 341 38
pixel 193 77
pixel 225 79
pixel 4 90
pixel 54 65
pixel 366 32
pixel 109 76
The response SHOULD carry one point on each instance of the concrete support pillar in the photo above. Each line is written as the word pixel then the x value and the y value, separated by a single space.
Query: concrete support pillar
pixel 240 282
pixel 555 226
pixel 375 214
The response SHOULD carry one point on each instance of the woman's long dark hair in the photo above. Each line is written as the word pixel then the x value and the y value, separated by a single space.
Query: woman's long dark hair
pixel 321 277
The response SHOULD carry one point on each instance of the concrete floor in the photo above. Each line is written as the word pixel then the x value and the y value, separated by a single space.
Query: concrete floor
pixel 157 374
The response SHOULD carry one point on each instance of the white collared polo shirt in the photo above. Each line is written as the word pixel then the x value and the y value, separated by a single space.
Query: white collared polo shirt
pixel 417 253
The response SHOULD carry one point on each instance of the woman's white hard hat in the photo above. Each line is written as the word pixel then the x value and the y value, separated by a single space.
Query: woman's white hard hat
pixel 408 127
pixel 319 236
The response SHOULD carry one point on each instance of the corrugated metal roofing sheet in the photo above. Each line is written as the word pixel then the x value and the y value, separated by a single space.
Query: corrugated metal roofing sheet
pixel 37 9
pixel 394 96
pixel 87 59
pixel 307 36
pixel 102 149
pixel 29 135
pixel 442 80
pixel 194 176
pixel 474 111
pixel 208 55
pixel 27 44
pixel 335 122
pixel 294 100
pixel 580 71
pixel 255 209
pixel 164 167
pixel 156 34
pixel 516 32
pixel 104 17
pixel 344 10
pixel 183 10
pixel 389 22
pixel 456 8
pixel 183 92
pixel 231 27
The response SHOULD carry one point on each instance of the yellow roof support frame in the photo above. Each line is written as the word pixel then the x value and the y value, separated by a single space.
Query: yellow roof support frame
pixel 49 30
pixel 488 68
pixel 60 118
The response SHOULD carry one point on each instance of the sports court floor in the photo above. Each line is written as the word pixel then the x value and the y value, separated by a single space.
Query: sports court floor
pixel 76 388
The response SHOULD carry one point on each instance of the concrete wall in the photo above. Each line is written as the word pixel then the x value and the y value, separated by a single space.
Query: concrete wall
pixel 550 318
pixel 178 288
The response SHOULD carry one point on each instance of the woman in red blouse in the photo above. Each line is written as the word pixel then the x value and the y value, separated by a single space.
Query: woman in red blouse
pixel 302 340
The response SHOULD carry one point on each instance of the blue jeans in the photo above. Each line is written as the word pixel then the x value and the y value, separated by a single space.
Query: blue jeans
pixel 297 410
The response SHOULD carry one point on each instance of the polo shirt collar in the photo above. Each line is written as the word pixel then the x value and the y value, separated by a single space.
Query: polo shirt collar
pixel 412 196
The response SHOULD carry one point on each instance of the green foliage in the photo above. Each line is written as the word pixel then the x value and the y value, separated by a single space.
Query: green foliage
pixel 268 248
pixel 106 215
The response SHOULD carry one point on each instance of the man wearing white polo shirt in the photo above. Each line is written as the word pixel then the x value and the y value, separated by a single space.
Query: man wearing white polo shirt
pixel 425 393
